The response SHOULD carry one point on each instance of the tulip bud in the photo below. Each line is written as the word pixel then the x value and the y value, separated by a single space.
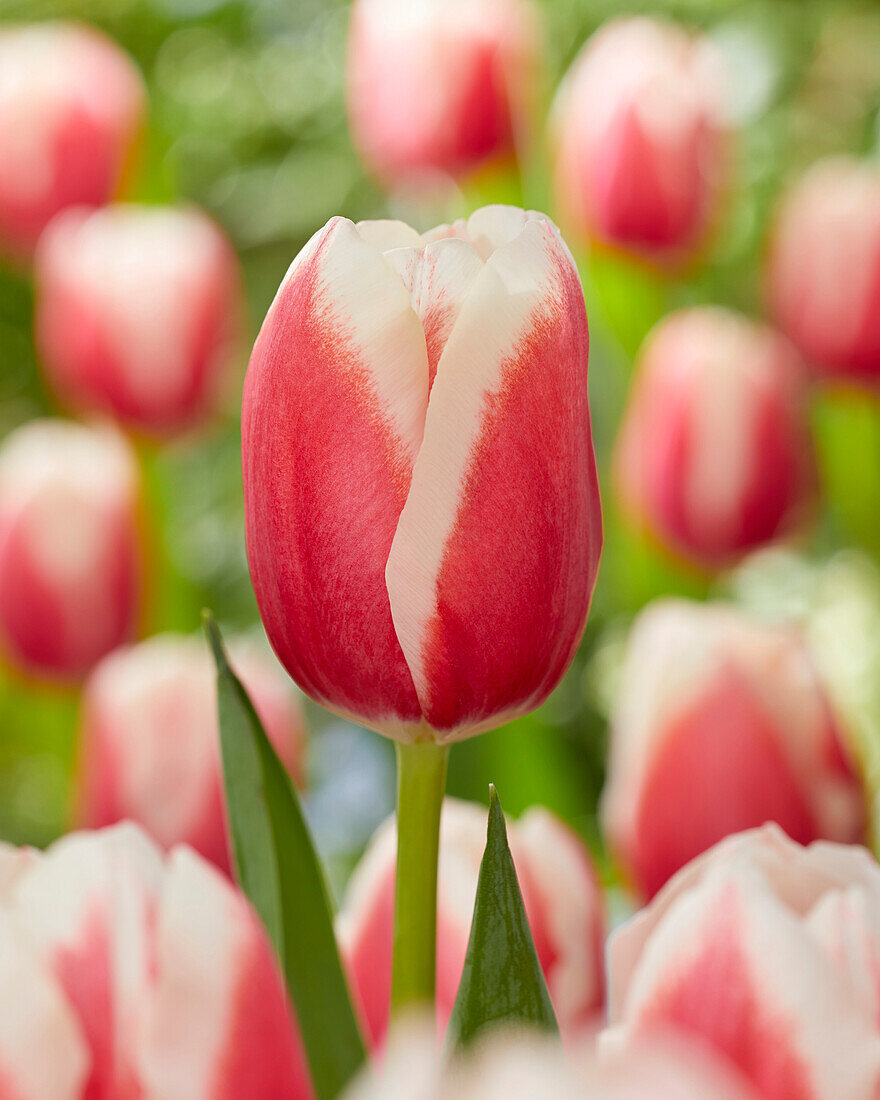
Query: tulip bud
pixel 714 454
pixel 166 970
pixel 69 547
pixel 728 953
pixel 71 106
pixel 823 277
pixel 720 725
pixel 438 85
pixel 150 739
pixel 641 147
pixel 560 894
pixel 422 510
pixel 136 313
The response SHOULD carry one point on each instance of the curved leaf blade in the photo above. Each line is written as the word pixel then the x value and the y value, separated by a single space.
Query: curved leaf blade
pixel 502 982
pixel 279 870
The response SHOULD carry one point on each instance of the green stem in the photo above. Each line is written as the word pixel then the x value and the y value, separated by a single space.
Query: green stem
pixel 421 781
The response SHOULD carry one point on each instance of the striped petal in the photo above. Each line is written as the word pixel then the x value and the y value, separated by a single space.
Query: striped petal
pixel 218 1026
pixel 333 417
pixel 492 566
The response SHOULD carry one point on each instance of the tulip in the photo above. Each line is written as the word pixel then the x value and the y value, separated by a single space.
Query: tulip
pixel 736 952
pixel 560 893
pixel 422 510
pixel 640 142
pixel 162 967
pixel 71 107
pixel 438 85
pixel 714 455
pixel 69 547
pixel 721 724
pixel 136 313
pixel 150 741
pixel 823 276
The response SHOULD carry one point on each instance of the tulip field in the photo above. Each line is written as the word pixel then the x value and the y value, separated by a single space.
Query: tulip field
pixel 439 550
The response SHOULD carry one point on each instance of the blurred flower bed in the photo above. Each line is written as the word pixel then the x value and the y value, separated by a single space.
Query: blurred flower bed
pixel 247 119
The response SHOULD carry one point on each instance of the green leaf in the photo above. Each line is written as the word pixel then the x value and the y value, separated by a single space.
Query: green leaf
pixel 279 871
pixel 502 981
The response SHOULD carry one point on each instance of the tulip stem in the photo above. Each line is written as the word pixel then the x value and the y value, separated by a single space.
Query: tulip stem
pixel 421 782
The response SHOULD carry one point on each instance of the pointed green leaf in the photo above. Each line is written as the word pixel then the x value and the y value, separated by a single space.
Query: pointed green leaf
pixel 502 981
pixel 279 871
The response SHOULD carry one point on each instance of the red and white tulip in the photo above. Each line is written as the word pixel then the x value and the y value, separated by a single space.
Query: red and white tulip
pixel 721 724
pixel 640 144
pixel 137 311
pixel 155 979
pixel 823 275
pixel 71 108
pixel 70 556
pixel 422 510
pixel 560 893
pixel 438 85
pixel 714 455
pixel 766 952
pixel 149 748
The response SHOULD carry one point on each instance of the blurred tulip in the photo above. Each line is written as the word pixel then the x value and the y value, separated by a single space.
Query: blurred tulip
pixel 714 455
pixel 438 85
pixel 150 739
pixel 641 148
pixel 136 313
pixel 520 1065
pixel 70 563
pixel 721 724
pixel 823 277
pixel 71 106
pixel 764 951
pixel 560 892
pixel 422 510
pixel 164 970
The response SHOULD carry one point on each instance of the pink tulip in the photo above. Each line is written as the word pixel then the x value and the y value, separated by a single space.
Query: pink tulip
pixel 136 314
pixel 69 547
pixel 438 85
pixel 754 950
pixel 560 893
pixel 150 741
pixel 721 724
pixel 641 148
pixel 71 107
pixel 164 986
pixel 422 511
pixel 823 277
pixel 714 455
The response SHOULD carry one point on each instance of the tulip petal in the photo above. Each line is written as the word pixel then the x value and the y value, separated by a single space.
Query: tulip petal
pixel 731 965
pixel 43 1055
pixel 218 1026
pixel 333 417
pixel 492 566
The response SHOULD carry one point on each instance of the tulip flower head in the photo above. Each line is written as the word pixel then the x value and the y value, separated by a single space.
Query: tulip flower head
pixel 136 313
pixel 765 952
pixel 70 561
pixel 641 147
pixel 560 893
pixel 714 455
pixel 422 511
pixel 823 276
pixel 150 739
pixel 140 976
pixel 71 107
pixel 438 85
pixel 721 724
